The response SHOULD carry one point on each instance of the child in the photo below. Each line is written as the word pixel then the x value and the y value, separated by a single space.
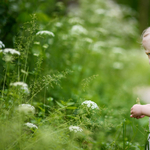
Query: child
pixel 139 111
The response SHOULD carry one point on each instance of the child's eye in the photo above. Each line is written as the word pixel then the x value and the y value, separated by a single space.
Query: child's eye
pixel 148 53
pixel 146 35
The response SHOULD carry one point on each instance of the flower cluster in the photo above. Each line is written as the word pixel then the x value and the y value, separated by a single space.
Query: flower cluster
pixel 23 86
pixel 117 65
pixel 31 125
pixel 75 129
pixel 1 44
pixel 9 50
pixel 78 29
pixel 45 33
pixel 19 84
pixel 26 109
pixel 90 104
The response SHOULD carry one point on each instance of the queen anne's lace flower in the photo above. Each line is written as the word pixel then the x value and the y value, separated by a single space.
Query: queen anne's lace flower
pixel 117 65
pixel 26 109
pixel 90 104
pixel 75 129
pixel 19 84
pixel 31 125
pixel 45 33
pixel 78 29
pixel 23 86
pixel 1 44
pixel 10 50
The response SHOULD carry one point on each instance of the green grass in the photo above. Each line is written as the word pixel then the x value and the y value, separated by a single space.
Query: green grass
pixel 93 55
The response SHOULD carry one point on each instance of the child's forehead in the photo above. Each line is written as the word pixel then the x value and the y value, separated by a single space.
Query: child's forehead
pixel 147 31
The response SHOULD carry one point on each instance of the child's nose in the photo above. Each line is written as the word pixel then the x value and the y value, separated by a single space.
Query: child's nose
pixel 149 61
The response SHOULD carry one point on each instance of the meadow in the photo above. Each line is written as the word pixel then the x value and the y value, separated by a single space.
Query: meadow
pixel 67 83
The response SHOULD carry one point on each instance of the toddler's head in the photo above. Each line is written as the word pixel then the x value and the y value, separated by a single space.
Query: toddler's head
pixel 146 42
pixel 146 39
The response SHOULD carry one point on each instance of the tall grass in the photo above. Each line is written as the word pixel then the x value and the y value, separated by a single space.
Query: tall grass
pixel 71 86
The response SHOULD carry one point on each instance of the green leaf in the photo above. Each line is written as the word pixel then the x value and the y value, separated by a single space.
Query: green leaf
pixel 62 106
pixel 70 103
pixel 71 108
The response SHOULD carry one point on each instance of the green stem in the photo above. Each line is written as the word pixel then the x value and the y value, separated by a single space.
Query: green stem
pixel 4 81
pixel 124 133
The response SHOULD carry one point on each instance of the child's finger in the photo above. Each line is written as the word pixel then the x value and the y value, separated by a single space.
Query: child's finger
pixel 142 116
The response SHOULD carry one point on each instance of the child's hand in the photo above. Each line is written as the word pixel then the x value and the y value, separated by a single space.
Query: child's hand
pixel 138 117
pixel 136 111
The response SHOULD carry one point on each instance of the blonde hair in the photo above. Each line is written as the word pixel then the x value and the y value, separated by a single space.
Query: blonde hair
pixel 145 32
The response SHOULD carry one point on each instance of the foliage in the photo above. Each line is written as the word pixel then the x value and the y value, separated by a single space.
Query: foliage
pixel 88 55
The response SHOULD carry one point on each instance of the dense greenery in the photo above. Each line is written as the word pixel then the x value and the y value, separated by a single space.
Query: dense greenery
pixel 90 53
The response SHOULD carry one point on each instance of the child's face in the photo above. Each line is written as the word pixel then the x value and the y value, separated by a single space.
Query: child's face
pixel 146 43
pixel 148 54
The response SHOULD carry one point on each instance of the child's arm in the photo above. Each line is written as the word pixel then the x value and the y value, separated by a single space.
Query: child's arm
pixel 139 111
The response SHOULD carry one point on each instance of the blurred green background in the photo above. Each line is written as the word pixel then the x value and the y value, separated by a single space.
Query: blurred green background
pixel 95 54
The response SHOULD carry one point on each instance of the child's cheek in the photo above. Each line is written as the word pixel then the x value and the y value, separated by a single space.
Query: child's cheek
pixel 146 45
pixel 146 42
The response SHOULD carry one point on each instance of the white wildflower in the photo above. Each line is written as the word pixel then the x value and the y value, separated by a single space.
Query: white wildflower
pixel 45 33
pixel 45 46
pixel 100 11
pixel 117 65
pixel 88 40
pixel 26 109
pixel 19 83
pixel 98 46
pixel 76 20
pixel 116 11
pixel 31 125
pixel 58 24
pixel 25 89
pixel 78 29
pixel 118 50
pixel 75 129
pixel 1 44
pixel 90 104
pixel 23 86
pixel 10 50
pixel 35 54
pixel 37 43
